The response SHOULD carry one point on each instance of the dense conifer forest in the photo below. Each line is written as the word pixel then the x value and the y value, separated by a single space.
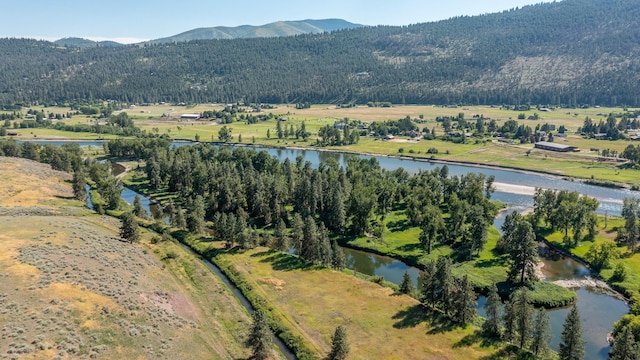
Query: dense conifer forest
pixel 573 52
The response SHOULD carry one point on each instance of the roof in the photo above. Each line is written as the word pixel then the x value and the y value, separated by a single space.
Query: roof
pixel 554 145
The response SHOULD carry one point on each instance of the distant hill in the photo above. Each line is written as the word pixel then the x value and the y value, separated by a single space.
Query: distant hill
pixel 276 29
pixel 74 42
pixel 570 52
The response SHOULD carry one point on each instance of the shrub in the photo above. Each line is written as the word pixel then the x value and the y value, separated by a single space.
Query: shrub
pixel 433 151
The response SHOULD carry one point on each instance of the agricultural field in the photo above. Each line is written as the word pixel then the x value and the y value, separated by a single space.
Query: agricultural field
pixel 71 288
pixel 165 119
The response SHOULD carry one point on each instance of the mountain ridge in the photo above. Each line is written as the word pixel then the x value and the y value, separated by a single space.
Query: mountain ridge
pixel 570 53
pixel 274 29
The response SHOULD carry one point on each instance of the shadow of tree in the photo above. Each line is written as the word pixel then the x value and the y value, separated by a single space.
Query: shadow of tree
pixel 509 352
pixel 411 317
pixel 399 225
pixel 490 262
pixel 478 337
pixel 284 262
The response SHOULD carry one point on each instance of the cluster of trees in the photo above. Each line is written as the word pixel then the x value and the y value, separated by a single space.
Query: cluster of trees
pixel 613 128
pixel 393 127
pixel 330 135
pixel 632 153
pixel 442 292
pixel 518 323
pixel 629 234
pixel 285 197
pixel 566 211
pixel 285 132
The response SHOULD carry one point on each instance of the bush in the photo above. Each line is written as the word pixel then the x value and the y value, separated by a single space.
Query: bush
pixel 619 273
pixel 401 150
pixel 432 151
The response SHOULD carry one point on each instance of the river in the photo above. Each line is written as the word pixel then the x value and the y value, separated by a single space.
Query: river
pixel 598 310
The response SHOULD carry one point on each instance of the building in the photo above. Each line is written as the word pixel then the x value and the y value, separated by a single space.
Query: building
pixel 545 145
pixel 190 116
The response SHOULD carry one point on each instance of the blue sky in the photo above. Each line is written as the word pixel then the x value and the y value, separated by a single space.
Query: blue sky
pixel 138 20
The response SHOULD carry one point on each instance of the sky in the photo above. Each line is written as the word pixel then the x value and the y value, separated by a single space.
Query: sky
pixel 129 21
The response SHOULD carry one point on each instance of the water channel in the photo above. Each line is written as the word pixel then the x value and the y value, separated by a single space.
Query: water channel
pixel 598 310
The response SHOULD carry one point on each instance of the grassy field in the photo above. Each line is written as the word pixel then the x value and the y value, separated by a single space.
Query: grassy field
pixel 380 324
pixel 584 164
pixel 71 289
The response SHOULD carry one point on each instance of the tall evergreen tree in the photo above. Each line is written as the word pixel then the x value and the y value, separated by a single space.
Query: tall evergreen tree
pixel 195 215
pixel 625 346
pixel 464 302
pixel 281 242
pixel 138 210
pixel 541 336
pixel 444 284
pixel 509 321
pixel 406 287
pixel 339 344
pixel 338 259
pixel 298 233
pixel 180 221
pixel 129 229
pixel 428 284
pixel 259 339
pixel 524 254
pixel 571 344
pixel 523 311
pixel 493 309
pixel 309 249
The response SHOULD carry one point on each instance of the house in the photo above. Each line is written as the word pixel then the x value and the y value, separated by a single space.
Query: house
pixel 545 145
pixel 600 136
pixel 190 116
pixel 339 125
pixel 389 137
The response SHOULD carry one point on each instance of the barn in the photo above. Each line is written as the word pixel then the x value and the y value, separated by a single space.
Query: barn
pixel 545 145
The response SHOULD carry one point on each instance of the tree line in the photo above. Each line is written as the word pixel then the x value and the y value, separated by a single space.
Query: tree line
pixel 432 63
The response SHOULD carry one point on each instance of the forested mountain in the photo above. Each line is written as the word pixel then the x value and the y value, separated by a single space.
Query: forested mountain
pixel 280 28
pixel 75 42
pixel 571 52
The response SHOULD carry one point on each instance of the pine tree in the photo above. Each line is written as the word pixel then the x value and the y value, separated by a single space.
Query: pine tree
pixel 298 233
pixel 129 229
pixel 280 233
pixel 309 249
pixel 428 284
pixel 509 322
pixel 493 309
pixel 138 210
pixel 260 337
pixel 523 311
pixel 180 222
pixel 541 335
pixel 339 344
pixel 571 343
pixel 625 346
pixel 324 246
pixel 444 284
pixel 338 260
pixel 464 302
pixel 406 287
pixel 524 254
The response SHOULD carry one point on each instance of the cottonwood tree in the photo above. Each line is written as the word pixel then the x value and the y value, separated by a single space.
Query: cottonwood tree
pixel 571 344
pixel 79 185
pixel 129 230
pixel 524 256
pixel 630 213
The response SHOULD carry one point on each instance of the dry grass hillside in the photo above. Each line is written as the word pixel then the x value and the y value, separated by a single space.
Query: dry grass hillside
pixel 69 288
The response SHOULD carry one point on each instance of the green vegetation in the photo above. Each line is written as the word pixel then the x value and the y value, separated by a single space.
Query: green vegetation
pixel 431 63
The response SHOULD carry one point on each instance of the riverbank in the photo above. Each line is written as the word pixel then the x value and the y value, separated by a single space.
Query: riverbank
pixel 605 183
